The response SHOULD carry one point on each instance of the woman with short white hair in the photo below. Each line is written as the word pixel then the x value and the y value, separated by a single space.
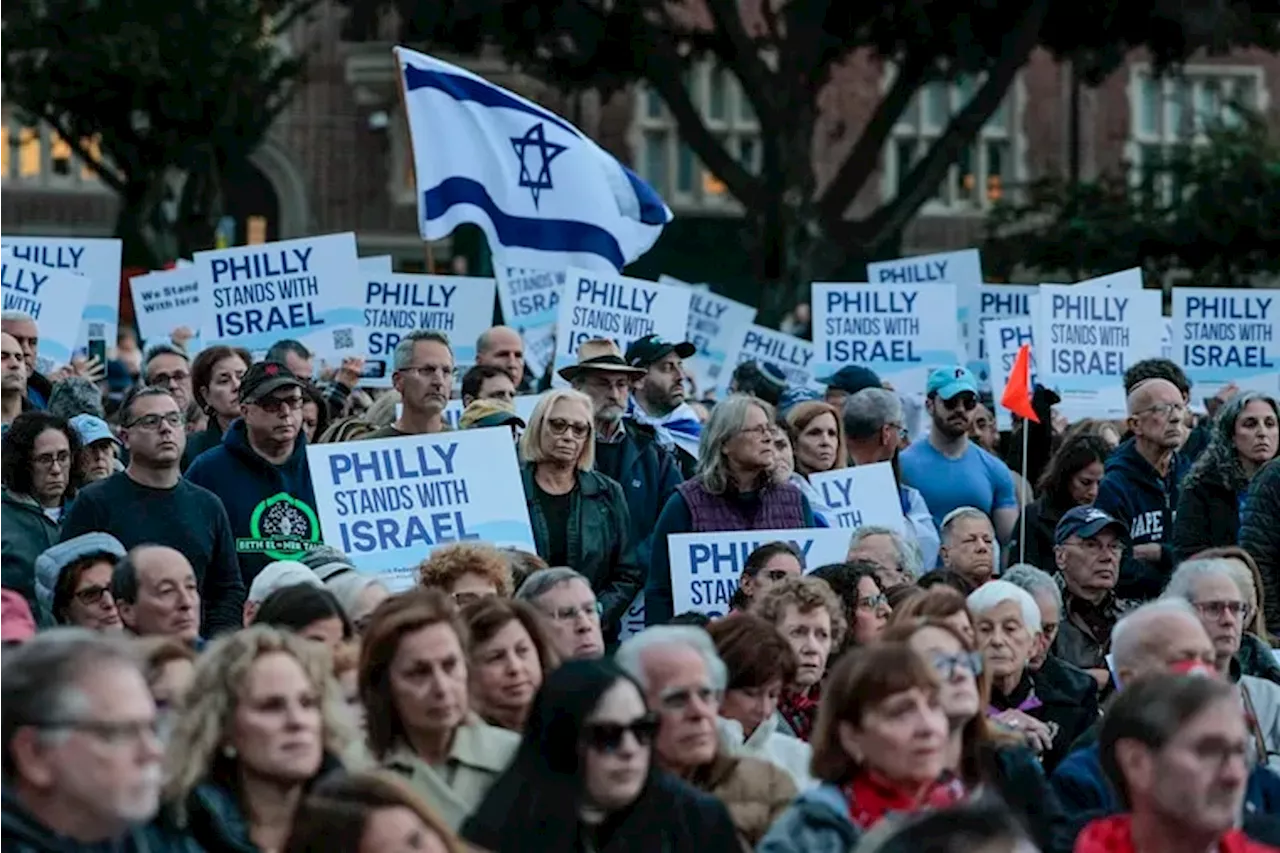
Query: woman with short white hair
pixel 1007 621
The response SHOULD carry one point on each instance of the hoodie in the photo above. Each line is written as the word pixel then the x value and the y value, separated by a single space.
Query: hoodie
pixel 1134 493
pixel 271 507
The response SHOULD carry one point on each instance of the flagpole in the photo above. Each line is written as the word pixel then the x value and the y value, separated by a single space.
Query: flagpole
pixel 413 166
pixel 1022 502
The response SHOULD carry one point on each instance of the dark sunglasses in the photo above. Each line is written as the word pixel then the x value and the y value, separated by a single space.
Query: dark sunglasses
pixel 607 737
pixel 968 402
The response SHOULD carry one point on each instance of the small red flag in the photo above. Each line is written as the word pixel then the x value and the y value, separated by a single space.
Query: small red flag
pixel 1017 391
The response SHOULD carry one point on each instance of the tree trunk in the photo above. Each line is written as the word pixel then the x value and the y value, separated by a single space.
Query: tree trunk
pixel 138 246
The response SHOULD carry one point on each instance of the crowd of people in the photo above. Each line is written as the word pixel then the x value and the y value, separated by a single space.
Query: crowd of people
pixel 1063 648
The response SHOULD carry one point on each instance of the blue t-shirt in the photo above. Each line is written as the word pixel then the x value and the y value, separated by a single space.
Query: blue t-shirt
pixel 976 479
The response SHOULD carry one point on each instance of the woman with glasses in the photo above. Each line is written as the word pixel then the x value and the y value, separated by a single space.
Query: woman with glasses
pixel 1245 436
pixel 1070 480
pixel 73 582
pixel 41 467
pixel 509 657
pixel 867 609
pixel 584 778
pixel 765 566
pixel 734 489
pixel 467 572
pixel 579 516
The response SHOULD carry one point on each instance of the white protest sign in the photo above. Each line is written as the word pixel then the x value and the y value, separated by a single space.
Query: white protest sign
pixel 1004 337
pixel 1087 336
pixel 702 287
pixel 164 301
pixel 1166 339
pixel 524 405
pixel 386 503
pixel 901 331
pixel 706 567
pixel 963 267
pixel 376 265
pixel 991 301
pixel 716 326
pixel 1223 336
pixel 395 305
pixel 604 305
pixel 861 495
pixel 1130 279
pixel 54 297
pixel 307 290
pixel 530 301
pixel 98 259
pixel 792 355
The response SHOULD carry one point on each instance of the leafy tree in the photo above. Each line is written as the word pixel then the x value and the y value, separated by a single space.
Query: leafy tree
pixel 1208 209
pixel 784 53
pixel 168 95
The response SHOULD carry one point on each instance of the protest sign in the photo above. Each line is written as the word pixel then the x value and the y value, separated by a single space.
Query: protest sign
pixel 387 503
pixel 98 259
pixel 716 326
pixel 988 301
pixel 963 267
pixel 792 355
pixel 1166 339
pixel 524 405
pixel 376 265
pixel 164 301
pixel 252 296
pixel 861 495
pixel 1223 336
pixel 1130 279
pixel 701 287
pixel 395 305
pixel 1004 337
pixel 603 305
pixel 706 567
pixel 530 301
pixel 1087 336
pixel 54 297
pixel 901 331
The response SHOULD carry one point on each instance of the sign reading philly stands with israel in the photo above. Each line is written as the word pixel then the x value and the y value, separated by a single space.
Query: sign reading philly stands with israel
pixel 97 259
pixel 388 502
pixel 54 298
pixel 1222 336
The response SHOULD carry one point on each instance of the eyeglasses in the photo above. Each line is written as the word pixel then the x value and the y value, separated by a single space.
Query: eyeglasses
pixel 276 405
pixel 1093 546
pixel 91 595
pixel 462 599
pixel 592 610
pixel 759 430
pixel 47 460
pixel 966 401
pixel 164 380
pixel 947 665
pixel 152 422
pixel 559 426
pixel 607 737
pixel 1165 410
pixel 111 733
pixel 901 430
pixel 1215 609
pixel 873 602
pixel 428 370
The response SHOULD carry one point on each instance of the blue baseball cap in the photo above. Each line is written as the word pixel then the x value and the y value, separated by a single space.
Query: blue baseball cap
pixel 1086 522
pixel 852 378
pixel 947 382
pixel 794 396
pixel 92 429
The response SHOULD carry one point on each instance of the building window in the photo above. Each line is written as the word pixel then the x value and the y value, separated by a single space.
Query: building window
pixel 669 165
pixel 983 172
pixel 39 157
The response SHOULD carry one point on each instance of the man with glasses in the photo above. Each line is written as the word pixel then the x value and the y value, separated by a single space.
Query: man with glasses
pixel 949 469
pixel 150 503
pixel 572 610
pixel 1140 486
pixel 260 472
pixel 424 379
pixel 166 366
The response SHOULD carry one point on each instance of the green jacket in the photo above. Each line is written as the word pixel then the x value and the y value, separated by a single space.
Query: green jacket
pixel 25 533
pixel 600 546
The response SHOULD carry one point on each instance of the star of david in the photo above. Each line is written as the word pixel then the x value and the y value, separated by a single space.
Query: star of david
pixel 535 139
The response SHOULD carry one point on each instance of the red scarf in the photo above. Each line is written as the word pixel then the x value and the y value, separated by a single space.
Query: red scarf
pixel 871 797
pixel 1114 835
pixel 800 710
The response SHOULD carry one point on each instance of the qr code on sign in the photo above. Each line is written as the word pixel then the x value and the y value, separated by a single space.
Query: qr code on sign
pixel 343 339
pixel 97 330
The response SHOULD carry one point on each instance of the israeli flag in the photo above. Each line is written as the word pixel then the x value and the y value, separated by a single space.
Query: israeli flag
pixel 545 194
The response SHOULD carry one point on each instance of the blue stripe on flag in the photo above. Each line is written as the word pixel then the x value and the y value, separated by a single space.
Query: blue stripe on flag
pixel 466 89
pixel 546 235
pixel 653 211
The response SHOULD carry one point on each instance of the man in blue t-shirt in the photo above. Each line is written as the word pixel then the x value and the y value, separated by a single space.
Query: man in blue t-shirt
pixel 948 469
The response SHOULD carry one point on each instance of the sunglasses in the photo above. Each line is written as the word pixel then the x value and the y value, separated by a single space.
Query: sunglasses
pixel 559 426
pixel 607 737
pixel 968 402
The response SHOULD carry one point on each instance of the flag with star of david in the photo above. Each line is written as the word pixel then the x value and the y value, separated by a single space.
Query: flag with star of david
pixel 544 193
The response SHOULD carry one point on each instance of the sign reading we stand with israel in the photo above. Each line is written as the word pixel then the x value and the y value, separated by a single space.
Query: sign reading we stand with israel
pixel 388 502
pixel 860 495
pixel 1004 337
pixel 706 567
pixel 1223 336
pixel 98 259
pixel 901 331
pixel 54 297
pixel 605 305
pixel 164 301
pixel 306 289
pixel 530 300
pixel 394 305
pixel 717 325
pixel 792 355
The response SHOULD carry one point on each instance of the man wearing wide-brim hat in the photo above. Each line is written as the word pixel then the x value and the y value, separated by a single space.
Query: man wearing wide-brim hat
pixel 627 451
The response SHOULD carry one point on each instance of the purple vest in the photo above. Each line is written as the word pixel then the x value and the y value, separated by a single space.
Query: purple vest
pixel 779 508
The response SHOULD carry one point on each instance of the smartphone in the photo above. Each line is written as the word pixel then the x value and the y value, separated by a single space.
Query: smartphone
pixel 98 350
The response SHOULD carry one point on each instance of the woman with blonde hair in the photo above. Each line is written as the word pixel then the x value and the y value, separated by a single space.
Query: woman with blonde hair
pixel 369 812
pixel 817 439
pixel 579 516
pixel 262 721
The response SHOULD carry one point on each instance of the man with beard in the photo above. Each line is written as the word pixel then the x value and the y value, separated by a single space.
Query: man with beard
pixel 13 379
pixel 658 398
pixel 950 470
pixel 626 451
pixel 424 379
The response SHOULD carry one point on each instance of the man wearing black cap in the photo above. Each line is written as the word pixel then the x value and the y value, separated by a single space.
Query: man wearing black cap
pixel 260 471
pixel 1089 545
pixel 658 398
pixel 847 381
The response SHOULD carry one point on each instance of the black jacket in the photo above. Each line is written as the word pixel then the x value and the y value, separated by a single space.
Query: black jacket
pixel 1144 501
pixel 1040 520
pixel 1066 712
pixel 1209 506
pixel 648 474
pixel 21 832
pixel 1260 536
pixel 1015 775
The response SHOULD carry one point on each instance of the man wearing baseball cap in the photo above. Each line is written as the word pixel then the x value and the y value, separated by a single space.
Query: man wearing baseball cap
pixel 847 381
pixel 948 469
pixel 658 397
pixel 260 471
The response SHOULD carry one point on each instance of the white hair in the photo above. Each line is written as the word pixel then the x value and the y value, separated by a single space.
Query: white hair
pixel 1033 580
pixel 541 582
pixel 910 557
pixel 1127 640
pixel 16 317
pixel 958 514
pixel 630 655
pixel 1183 582
pixel 994 593
pixel 278 575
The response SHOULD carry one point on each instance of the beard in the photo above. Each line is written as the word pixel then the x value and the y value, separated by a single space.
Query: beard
pixel 609 413
pixel 949 427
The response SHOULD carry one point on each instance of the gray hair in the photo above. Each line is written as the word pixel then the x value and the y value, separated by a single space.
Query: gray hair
pixel 1128 644
pixel 630 655
pixel 39 680
pixel 868 410
pixel 404 349
pixel 75 395
pixel 541 582
pixel 1183 581
pixel 156 350
pixel 726 421
pixel 910 557
pixel 16 317
pixel 959 514
pixel 994 593
pixel 1034 581
pixel 280 350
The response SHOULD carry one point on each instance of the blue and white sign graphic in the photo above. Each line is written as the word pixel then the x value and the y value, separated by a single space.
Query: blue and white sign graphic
pixel 530 300
pixel 164 301
pixel 97 259
pixel 1223 336
pixel 861 495
pixel 1004 337
pixel 716 326
pixel 993 301
pixel 54 298
pixel 963 267
pixel 792 355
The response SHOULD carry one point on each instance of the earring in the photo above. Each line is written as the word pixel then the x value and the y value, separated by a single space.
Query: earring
pixel 229 751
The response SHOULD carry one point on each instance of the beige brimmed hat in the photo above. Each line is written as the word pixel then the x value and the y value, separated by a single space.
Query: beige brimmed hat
pixel 599 354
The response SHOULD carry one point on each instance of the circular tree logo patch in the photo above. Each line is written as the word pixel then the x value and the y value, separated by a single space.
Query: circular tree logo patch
pixel 282 527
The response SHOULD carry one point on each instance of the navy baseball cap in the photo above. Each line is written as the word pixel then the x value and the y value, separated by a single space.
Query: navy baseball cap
pixel 852 378
pixel 643 352
pixel 1086 522
pixel 947 382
